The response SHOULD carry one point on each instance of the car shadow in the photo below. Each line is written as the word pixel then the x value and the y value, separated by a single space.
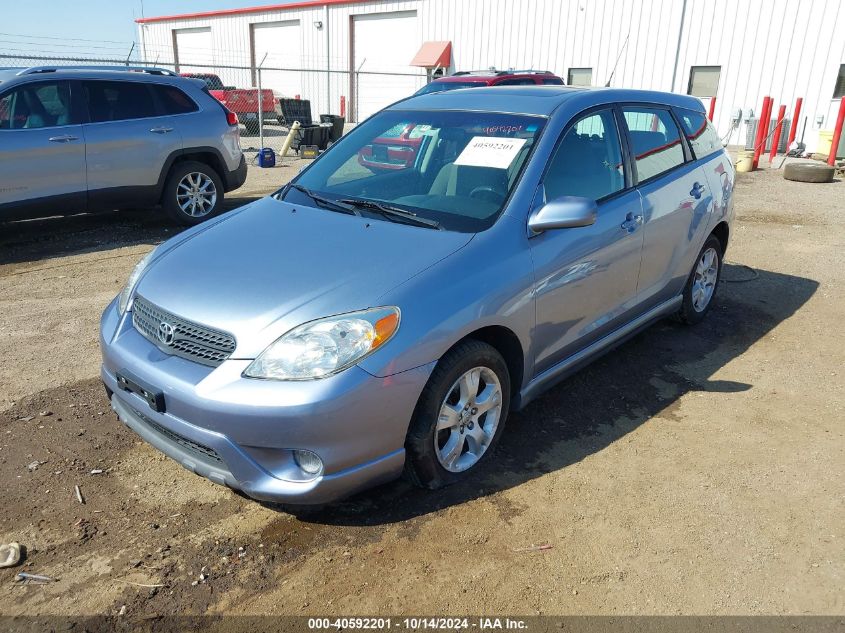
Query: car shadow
pixel 38 239
pixel 602 403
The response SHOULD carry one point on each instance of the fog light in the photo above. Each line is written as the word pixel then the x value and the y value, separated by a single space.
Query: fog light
pixel 309 462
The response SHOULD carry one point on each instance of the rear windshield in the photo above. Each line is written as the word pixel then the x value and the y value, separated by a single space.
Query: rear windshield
pixel 455 167
pixel 440 86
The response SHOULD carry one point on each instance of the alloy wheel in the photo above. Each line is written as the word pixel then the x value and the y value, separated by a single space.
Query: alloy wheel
pixel 704 282
pixel 468 419
pixel 196 194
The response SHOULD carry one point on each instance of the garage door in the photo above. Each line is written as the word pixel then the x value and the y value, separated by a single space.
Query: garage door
pixel 384 42
pixel 193 46
pixel 280 42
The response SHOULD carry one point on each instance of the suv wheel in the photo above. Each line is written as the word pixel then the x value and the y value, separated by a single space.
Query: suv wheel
pixel 702 283
pixel 193 193
pixel 459 417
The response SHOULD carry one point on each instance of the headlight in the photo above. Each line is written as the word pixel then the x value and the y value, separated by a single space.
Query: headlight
pixel 326 346
pixel 136 273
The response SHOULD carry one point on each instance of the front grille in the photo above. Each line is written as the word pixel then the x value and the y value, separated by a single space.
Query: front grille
pixel 189 340
pixel 200 450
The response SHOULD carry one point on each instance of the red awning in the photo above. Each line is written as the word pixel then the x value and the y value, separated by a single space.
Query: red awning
pixel 433 54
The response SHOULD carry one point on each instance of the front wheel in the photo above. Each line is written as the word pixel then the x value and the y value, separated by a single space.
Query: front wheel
pixel 460 415
pixel 193 193
pixel 702 283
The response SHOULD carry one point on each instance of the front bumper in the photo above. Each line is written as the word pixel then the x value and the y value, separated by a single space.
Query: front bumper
pixel 240 432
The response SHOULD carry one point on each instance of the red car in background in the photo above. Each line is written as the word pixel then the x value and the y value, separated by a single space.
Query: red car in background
pixel 242 101
pixel 491 77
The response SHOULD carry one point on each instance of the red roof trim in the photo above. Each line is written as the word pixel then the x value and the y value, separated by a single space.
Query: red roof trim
pixel 269 7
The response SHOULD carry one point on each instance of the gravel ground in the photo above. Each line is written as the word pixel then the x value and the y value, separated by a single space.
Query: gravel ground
pixel 694 470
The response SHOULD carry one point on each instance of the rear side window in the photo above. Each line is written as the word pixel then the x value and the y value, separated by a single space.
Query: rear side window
pixel 174 101
pixel 516 82
pixel 655 141
pixel 700 132
pixel 553 81
pixel 118 100
pixel 36 105
pixel 588 161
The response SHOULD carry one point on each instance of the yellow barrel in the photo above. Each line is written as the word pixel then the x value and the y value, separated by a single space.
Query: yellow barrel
pixel 825 141
pixel 745 161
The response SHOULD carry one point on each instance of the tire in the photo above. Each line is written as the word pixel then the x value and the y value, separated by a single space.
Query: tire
pixel 476 431
pixel 179 178
pixel 694 308
pixel 809 172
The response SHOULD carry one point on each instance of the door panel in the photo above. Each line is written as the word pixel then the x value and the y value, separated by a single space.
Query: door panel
pixel 676 216
pixel 42 151
pixel 676 202
pixel 127 143
pixel 586 278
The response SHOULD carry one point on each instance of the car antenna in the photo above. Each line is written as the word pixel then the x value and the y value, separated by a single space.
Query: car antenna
pixel 618 57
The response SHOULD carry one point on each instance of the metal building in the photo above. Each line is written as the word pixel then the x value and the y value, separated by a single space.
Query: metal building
pixel 360 51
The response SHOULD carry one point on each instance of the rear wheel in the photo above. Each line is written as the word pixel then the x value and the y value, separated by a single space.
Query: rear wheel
pixel 459 417
pixel 193 193
pixel 702 283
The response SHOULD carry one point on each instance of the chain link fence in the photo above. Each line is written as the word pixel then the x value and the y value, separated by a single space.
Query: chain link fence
pixel 352 94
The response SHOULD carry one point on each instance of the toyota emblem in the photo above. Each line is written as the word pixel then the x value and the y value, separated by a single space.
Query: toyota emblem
pixel 165 333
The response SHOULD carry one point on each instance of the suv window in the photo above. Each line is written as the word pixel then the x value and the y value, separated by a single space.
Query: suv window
pixel 174 101
pixel 701 134
pixel 553 81
pixel 588 161
pixel 655 141
pixel 118 100
pixel 36 105
pixel 525 81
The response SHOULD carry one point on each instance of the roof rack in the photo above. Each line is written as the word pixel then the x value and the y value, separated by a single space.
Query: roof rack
pixel 493 71
pixel 34 70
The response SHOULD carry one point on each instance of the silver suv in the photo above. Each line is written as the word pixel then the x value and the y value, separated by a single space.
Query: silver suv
pixel 76 139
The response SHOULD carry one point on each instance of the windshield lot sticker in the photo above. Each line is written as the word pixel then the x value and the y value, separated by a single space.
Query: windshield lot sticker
pixel 490 151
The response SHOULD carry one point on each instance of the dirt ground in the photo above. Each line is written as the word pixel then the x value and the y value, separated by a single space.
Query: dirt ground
pixel 694 470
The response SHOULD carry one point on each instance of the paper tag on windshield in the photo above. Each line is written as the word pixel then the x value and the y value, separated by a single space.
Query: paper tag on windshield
pixel 490 151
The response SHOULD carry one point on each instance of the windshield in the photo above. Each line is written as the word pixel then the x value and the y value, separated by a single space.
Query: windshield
pixel 455 168
pixel 440 86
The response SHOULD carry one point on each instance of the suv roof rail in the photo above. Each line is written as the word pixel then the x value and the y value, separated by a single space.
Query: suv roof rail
pixel 132 69
pixel 530 71
pixel 510 71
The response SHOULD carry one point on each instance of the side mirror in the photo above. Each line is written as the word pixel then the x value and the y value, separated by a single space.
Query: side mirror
pixel 565 212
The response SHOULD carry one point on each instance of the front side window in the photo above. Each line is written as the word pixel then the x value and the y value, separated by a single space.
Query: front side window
pixel 118 100
pixel 700 133
pixel 454 167
pixel 36 105
pixel 588 160
pixel 655 141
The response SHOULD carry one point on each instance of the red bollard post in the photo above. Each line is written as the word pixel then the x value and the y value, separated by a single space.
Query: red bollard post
pixel 342 105
pixel 778 129
pixel 793 129
pixel 759 139
pixel 837 133
pixel 712 108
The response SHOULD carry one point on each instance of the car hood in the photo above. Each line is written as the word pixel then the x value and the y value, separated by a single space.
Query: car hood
pixel 273 266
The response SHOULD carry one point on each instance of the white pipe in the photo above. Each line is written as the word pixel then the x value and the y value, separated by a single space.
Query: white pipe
pixel 294 129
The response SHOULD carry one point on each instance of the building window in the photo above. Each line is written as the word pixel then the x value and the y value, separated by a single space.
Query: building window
pixel 839 91
pixel 704 81
pixel 580 77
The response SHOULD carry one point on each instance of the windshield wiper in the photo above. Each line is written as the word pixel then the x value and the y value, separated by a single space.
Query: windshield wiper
pixel 390 211
pixel 326 203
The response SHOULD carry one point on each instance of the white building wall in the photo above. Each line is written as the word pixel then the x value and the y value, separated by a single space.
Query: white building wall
pixel 781 48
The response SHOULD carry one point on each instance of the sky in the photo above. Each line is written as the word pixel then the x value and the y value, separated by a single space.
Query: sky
pixel 103 28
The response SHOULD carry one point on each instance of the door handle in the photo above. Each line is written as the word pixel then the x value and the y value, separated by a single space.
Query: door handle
pixel 161 130
pixel 632 222
pixel 697 190
pixel 64 138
